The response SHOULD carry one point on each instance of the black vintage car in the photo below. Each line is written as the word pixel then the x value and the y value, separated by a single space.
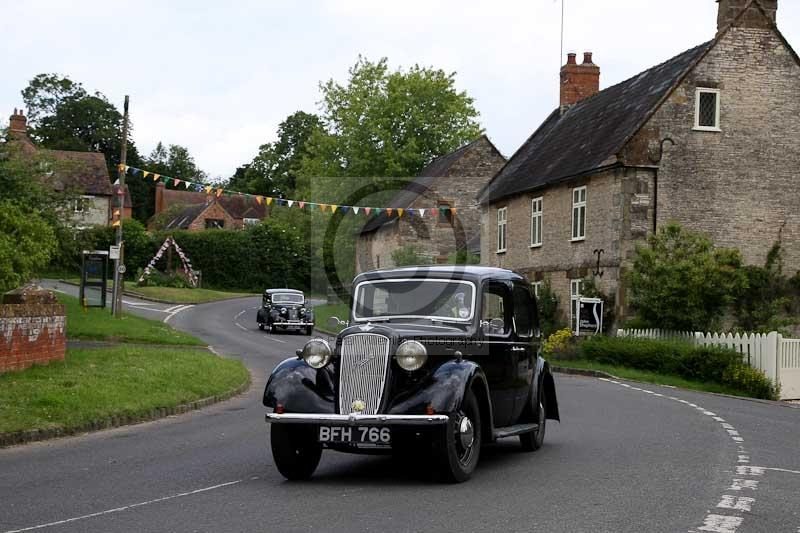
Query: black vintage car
pixel 285 309
pixel 435 362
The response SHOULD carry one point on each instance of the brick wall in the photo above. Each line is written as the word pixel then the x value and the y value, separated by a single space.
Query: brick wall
pixel 738 185
pixel 214 211
pixel 31 334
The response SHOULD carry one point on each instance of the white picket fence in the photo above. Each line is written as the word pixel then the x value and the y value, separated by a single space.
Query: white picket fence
pixel 779 358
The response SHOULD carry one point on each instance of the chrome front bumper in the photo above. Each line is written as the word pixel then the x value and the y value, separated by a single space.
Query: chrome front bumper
pixel 280 323
pixel 356 419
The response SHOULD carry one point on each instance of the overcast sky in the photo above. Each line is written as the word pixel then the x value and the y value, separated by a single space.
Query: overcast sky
pixel 218 77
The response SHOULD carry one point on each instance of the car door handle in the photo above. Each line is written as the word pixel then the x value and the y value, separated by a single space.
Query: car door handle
pixel 517 348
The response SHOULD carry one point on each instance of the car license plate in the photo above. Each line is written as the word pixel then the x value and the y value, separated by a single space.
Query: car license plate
pixel 355 435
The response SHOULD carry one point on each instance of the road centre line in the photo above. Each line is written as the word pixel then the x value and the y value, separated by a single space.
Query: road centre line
pixel 128 507
pixel 240 314
pixel 175 310
pixel 241 327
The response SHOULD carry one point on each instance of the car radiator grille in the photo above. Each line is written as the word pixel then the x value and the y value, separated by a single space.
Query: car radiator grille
pixel 292 314
pixel 362 371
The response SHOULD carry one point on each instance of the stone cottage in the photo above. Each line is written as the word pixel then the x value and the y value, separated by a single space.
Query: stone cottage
pixel 83 174
pixel 446 189
pixel 707 139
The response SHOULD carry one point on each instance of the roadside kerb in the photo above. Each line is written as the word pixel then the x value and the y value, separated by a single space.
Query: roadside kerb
pixel 114 421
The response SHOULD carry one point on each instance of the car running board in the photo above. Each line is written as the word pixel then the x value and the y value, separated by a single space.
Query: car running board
pixel 513 431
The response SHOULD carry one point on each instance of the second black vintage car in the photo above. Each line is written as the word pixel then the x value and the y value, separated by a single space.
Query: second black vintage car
pixel 435 362
pixel 284 309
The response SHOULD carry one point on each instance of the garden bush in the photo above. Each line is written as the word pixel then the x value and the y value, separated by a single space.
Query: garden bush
pixel 560 345
pixel 699 363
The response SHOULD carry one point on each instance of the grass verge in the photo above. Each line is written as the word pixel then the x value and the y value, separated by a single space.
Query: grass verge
pixel 98 324
pixel 648 377
pixel 125 380
pixel 173 294
pixel 323 312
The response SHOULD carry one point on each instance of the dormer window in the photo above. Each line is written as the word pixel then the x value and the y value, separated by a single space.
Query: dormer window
pixel 706 116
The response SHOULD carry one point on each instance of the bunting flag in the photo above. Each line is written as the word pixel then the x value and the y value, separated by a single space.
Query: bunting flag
pixel 333 208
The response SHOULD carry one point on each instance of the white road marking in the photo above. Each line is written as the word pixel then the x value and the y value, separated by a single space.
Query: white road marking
pixel 778 469
pixel 719 419
pixel 750 470
pixel 241 326
pixel 744 458
pixel 721 524
pixel 127 507
pixel 274 339
pixel 243 311
pixel 727 426
pixel 738 439
pixel 175 310
pixel 128 302
pixel 738 503
pixel 733 432
pixel 739 484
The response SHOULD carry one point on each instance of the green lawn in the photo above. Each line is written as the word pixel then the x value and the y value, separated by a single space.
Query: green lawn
pixel 323 312
pixel 125 380
pixel 647 377
pixel 98 324
pixel 172 294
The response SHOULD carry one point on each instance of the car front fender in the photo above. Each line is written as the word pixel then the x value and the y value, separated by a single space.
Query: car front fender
pixel 444 390
pixel 545 380
pixel 300 388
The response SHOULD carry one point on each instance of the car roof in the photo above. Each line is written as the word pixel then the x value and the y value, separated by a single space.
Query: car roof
pixel 274 291
pixel 472 272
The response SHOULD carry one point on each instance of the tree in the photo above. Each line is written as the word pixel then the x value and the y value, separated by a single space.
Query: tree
pixel 44 94
pixel 27 243
pixel 273 171
pixel 681 282
pixel 384 123
pixel 409 256
pixel 766 302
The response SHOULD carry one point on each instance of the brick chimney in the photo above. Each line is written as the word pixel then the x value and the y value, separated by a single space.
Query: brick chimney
pixel 753 18
pixel 579 81
pixel 18 123
pixel 160 196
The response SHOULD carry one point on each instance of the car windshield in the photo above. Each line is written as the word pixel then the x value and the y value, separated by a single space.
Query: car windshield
pixel 448 300
pixel 287 298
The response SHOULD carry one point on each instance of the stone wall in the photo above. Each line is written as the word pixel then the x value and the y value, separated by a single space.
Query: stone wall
pixel 31 332
pixel 214 211
pixel 96 212
pixel 738 185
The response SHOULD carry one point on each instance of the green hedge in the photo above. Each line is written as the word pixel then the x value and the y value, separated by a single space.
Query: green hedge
pixel 701 363
pixel 270 254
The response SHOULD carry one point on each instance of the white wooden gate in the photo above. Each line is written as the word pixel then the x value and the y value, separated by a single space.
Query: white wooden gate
pixel 789 369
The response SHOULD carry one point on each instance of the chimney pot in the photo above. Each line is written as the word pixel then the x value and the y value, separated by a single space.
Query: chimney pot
pixel 587 58
pixel 571 58
pixel 17 123
pixel 579 81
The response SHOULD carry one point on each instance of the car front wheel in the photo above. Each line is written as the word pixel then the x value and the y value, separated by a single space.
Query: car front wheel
pixel 460 447
pixel 533 441
pixel 295 450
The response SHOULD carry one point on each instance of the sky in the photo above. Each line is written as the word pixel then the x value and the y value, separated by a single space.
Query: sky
pixel 218 77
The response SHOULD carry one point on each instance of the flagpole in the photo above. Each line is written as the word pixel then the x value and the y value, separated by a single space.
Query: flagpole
pixel 116 306
pixel 561 52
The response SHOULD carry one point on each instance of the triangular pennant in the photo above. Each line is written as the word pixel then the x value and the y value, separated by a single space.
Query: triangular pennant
pixel 355 209
pixel 176 181
pixel 399 212
pixel 333 208
pixel 219 193
pixel 378 210
pixel 301 204
pixel 145 174
pixel 136 170
pixel 258 199
pixel 421 212
pixel 290 202
pixel 121 167
pixel 156 176
pixel 321 207
pixel 344 209
pixel 269 200
pixel 208 189
pixel 389 211
pixel 186 184
pixel 367 210
pixel 453 211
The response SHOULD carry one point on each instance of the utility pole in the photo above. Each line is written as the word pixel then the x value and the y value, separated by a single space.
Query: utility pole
pixel 119 264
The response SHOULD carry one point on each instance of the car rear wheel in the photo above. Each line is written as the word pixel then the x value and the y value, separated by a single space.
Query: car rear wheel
pixel 460 447
pixel 295 450
pixel 533 441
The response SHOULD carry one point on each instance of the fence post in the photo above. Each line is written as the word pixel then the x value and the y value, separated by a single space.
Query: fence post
pixel 771 363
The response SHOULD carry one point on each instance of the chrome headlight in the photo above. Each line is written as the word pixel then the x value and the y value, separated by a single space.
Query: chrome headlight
pixel 411 355
pixel 316 353
pixel 283 310
pixel 302 310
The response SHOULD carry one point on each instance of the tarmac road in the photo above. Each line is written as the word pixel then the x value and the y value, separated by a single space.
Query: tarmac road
pixel 627 457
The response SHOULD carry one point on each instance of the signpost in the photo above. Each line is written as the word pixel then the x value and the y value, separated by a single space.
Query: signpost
pixel 119 279
pixel 590 316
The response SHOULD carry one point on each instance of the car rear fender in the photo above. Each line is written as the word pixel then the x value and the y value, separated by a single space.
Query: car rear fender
pixel 300 388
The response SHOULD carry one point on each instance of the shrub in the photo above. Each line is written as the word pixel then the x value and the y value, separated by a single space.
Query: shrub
pixel 699 363
pixel 547 306
pixel 560 345
pixel 26 245
pixel 681 282
pixel 409 256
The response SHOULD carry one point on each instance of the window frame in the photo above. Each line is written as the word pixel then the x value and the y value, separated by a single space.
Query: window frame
pixel 212 220
pixel 81 201
pixel 536 287
pixel 537 216
pixel 502 224
pixel 718 97
pixel 519 288
pixel 448 213
pixel 579 205
pixel 574 300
